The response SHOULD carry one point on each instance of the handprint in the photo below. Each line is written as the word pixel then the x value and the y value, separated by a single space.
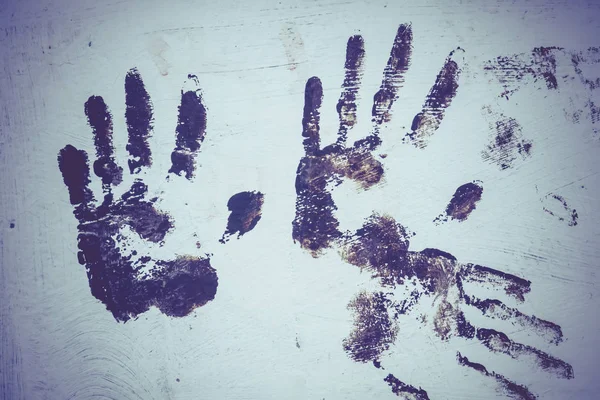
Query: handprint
pixel 125 279
pixel 381 245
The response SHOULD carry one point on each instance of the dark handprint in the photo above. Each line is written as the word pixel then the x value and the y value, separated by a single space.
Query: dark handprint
pixel 381 245
pixel 315 227
pixel 122 278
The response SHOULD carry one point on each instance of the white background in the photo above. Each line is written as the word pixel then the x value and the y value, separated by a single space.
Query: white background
pixel 252 60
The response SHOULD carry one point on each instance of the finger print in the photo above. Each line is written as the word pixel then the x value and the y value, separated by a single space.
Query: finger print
pixel 507 144
pixel 313 95
pixel 346 106
pixel 393 75
pixel 498 342
pixel 138 116
pixel 73 165
pixel 408 392
pixel 511 389
pixel 494 308
pixel 245 210
pixel 463 202
pixel 190 131
pixel 100 121
pixel 512 285
pixel 374 331
pixel 426 122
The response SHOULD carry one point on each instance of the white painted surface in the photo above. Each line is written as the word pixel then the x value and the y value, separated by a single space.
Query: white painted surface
pixel 252 60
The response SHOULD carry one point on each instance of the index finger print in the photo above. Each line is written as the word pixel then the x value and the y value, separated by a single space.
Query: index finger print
pixel 393 74
pixel 100 120
pixel 346 107
pixel 73 164
pixel 190 131
pixel 313 96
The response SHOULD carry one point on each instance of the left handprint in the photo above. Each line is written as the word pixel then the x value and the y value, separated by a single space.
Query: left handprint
pixel 128 282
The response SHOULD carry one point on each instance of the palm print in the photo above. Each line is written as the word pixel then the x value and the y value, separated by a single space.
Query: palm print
pixel 381 245
pixel 127 282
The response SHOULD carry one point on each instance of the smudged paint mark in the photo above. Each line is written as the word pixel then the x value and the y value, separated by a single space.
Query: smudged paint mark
pixel 440 97
pixel 507 387
pixel 565 214
pixel 463 202
pixel 12 225
pixel 408 392
pixel 191 129
pixel 293 45
pixel 245 210
pixel 508 144
pixel 138 116
pixel 373 331
pixel 518 69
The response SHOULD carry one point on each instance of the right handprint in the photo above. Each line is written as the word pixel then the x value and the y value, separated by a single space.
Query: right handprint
pixel 381 245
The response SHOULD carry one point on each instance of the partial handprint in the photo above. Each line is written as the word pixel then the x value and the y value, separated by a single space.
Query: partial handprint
pixel 381 245
pixel 125 280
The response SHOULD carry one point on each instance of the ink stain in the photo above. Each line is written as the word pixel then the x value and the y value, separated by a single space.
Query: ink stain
pixel 374 331
pixel 515 70
pixel 400 388
pixel 506 386
pixel 245 208
pixel 508 144
pixel 12 225
pixel 563 213
pixel 463 202
pixel 440 97
pixel 89 44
